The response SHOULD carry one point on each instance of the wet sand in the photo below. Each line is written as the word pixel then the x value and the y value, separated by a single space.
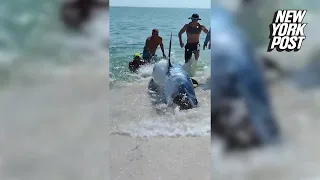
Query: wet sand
pixel 184 158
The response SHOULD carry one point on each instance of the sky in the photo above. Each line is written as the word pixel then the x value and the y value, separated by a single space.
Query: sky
pixel 163 3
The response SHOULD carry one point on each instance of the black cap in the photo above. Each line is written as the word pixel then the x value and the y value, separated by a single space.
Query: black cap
pixel 155 30
pixel 195 17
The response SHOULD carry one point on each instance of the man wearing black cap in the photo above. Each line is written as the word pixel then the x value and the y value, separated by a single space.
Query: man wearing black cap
pixel 151 46
pixel 193 30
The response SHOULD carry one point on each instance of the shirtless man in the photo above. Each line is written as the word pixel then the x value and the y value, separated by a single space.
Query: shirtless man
pixel 151 46
pixel 193 30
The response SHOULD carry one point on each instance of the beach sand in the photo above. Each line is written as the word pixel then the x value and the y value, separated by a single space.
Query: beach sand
pixel 55 130
pixel 160 158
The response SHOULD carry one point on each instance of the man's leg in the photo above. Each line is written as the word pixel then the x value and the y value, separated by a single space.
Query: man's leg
pixel 197 52
pixel 187 53
pixel 146 56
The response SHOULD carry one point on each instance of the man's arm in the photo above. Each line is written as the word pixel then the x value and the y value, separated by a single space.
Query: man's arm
pixel 181 32
pixel 205 30
pixel 162 48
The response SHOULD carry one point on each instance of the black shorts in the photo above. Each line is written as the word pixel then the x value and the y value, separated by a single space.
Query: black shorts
pixel 189 49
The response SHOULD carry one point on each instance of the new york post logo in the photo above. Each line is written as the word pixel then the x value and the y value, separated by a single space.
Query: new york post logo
pixel 287 30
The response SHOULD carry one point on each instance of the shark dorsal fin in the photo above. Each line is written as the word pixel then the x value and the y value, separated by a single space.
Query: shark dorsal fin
pixel 169 57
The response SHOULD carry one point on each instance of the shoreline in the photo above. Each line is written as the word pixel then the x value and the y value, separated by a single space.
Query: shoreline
pixel 160 158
